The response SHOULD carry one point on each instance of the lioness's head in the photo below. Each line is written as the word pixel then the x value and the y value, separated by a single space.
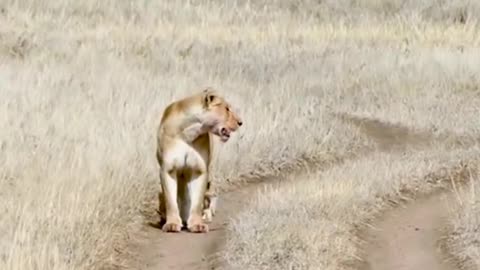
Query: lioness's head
pixel 226 120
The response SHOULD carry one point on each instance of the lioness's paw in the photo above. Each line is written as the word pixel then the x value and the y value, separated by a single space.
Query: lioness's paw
pixel 198 228
pixel 172 227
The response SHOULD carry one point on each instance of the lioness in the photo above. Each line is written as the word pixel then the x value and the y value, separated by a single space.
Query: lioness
pixel 184 150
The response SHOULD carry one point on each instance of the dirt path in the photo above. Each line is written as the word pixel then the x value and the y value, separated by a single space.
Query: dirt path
pixel 173 251
pixel 185 250
pixel 398 245
pixel 406 237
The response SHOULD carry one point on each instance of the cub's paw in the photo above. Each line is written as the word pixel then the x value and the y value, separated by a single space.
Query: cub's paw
pixel 198 228
pixel 172 227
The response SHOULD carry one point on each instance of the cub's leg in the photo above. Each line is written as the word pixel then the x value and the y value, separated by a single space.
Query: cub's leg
pixel 169 192
pixel 196 190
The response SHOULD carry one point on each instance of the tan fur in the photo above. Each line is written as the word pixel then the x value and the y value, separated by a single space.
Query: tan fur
pixel 209 203
pixel 184 152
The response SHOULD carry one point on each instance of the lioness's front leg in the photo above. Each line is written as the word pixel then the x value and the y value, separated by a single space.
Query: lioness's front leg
pixel 209 203
pixel 209 208
pixel 197 187
pixel 169 186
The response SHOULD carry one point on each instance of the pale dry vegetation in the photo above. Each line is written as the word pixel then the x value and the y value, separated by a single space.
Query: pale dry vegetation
pixel 421 82
pixel 312 221
pixel 464 237
pixel 82 84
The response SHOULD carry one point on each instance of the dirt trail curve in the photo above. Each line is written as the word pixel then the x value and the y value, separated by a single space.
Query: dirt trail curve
pixel 158 250
pixel 187 251
pixel 406 238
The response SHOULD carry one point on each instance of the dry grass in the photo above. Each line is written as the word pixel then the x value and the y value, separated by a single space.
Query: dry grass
pixel 81 101
pixel 464 238
pixel 83 84
pixel 312 222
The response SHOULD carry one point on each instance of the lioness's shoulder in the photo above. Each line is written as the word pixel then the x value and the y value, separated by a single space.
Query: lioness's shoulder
pixel 193 102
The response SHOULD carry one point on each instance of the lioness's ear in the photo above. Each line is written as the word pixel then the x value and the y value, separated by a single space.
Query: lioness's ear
pixel 209 96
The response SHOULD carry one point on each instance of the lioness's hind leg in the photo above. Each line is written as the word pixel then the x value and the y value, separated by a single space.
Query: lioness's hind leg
pixel 210 202
pixel 161 206
pixel 196 188
pixel 207 209
pixel 169 192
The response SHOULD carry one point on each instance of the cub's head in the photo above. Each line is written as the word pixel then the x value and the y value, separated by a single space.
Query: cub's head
pixel 225 119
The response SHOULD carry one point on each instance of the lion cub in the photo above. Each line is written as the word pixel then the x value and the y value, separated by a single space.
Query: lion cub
pixel 184 149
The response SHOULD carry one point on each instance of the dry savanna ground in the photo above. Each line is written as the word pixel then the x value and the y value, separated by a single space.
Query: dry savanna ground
pixel 83 83
pixel 463 238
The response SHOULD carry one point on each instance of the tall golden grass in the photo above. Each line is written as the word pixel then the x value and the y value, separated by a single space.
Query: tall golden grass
pixel 83 83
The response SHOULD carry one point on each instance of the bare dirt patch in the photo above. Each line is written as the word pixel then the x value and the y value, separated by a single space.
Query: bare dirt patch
pixel 159 250
pixel 407 237
pixel 386 135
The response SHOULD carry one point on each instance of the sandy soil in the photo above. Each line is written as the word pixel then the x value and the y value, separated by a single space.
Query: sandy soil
pixel 407 237
pixel 184 250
